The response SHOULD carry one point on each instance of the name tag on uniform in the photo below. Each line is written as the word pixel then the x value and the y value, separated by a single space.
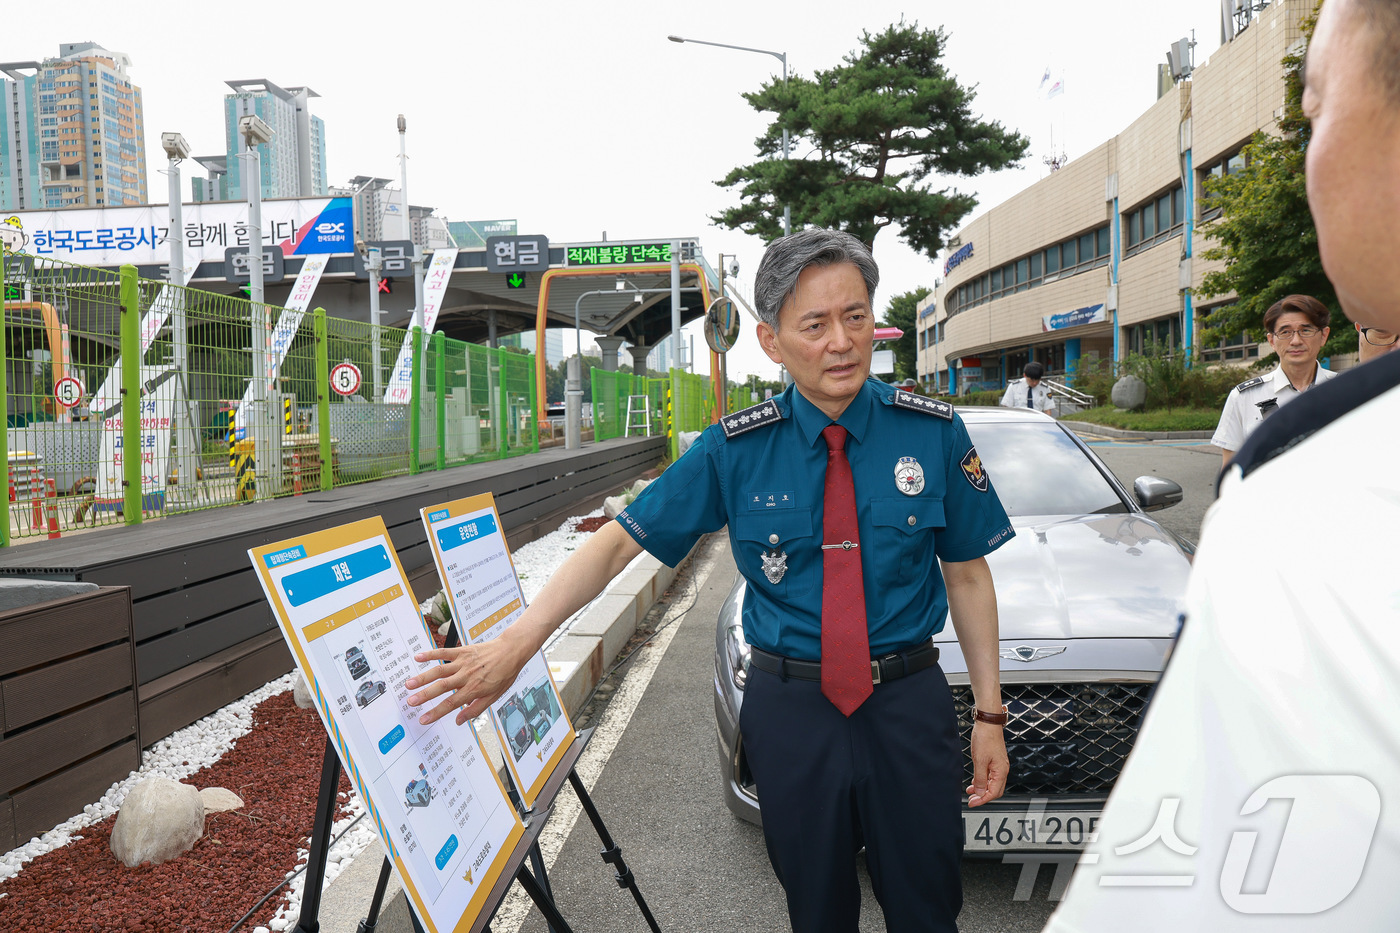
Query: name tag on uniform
pixel 759 501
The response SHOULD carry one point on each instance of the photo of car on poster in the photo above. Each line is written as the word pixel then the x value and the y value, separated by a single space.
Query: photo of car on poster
pixel 478 575
pixel 528 715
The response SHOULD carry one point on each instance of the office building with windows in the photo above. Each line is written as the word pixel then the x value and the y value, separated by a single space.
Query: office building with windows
pixel 71 131
pixel 1101 258
pixel 294 162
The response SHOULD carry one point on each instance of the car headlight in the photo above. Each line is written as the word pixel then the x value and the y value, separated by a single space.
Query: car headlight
pixel 736 653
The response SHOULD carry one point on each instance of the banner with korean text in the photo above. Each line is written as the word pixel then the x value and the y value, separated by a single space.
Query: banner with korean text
pixel 110 236
pixel 281 340
pixel 399 391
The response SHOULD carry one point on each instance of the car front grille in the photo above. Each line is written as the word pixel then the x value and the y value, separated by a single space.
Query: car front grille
pixel 1063 738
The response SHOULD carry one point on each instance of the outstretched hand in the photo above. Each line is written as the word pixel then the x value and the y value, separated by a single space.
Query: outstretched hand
pixel 473 677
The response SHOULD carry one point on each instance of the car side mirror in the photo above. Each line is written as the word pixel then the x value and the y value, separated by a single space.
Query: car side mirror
pixel 1154 493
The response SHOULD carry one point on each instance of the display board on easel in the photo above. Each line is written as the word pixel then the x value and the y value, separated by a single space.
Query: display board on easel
pixel 476 570
pixel 345 609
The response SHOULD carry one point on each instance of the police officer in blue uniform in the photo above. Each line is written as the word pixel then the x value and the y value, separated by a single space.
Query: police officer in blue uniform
pixel 886 773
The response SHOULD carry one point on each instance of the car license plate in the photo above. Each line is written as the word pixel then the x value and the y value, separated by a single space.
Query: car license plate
pixel 1000 830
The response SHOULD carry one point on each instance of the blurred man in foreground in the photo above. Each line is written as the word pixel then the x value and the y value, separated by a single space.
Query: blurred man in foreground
pixel 1264 789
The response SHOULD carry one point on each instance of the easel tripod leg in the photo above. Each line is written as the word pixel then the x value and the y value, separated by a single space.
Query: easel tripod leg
pixel 542 900
pixel 372 918
pixel 612 853
pixel 309 922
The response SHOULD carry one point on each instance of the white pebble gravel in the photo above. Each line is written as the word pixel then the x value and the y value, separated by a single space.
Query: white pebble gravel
pixel 200 745
pixel 175 757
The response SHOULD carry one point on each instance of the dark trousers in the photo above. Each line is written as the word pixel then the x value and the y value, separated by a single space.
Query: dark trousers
pixel 888 778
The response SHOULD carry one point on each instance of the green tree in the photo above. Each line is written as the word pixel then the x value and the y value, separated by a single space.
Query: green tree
pixel 875 127
pixel 1265 233
pixel 903 312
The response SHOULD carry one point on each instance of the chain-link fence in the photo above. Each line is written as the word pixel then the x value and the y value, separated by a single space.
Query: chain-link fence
pixel 627 405
pixel 79 341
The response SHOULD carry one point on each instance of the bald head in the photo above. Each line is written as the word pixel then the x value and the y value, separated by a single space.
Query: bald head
pixel 1353 157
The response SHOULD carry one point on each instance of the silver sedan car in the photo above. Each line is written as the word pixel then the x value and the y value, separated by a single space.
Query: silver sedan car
pixel 1087 595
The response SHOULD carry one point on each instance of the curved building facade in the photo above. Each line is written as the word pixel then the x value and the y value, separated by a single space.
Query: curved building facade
pixel 1100 258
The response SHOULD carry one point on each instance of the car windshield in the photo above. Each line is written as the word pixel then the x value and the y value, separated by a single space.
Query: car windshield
pixel 1037 469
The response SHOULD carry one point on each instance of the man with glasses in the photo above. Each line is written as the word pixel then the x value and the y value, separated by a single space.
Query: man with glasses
pixel 1297 327
pixel 1375 341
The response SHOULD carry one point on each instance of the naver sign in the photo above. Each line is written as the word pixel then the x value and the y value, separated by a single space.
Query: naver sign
pixel 957 258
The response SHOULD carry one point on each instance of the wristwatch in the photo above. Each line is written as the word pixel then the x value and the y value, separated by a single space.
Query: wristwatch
pixel 995 719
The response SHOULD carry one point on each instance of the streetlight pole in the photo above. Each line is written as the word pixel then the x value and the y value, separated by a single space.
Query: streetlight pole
pixel 255 132
pixel 780 56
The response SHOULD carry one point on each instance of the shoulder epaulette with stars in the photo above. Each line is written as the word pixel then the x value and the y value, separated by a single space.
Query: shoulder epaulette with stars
pixel 1249 383
pixel 929 406
pixel 750 418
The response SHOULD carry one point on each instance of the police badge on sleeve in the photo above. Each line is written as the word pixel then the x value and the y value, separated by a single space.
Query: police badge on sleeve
pixel 972 468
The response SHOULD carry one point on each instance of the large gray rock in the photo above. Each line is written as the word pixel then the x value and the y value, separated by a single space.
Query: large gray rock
pixel 1129 393
pixel 160 819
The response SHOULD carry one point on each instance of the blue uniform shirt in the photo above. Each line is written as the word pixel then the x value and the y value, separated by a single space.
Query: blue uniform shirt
pixel 920 489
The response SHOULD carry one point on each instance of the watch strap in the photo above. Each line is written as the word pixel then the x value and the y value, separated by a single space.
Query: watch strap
pixel 995 719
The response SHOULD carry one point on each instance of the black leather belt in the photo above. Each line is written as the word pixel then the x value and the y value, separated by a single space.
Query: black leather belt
pixel 887 667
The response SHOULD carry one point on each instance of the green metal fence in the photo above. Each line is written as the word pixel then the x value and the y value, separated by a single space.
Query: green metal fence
pixel 618 394
pixel 77 342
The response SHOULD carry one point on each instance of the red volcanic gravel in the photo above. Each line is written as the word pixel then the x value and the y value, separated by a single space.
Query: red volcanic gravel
pixel 592 524
pixel 243 854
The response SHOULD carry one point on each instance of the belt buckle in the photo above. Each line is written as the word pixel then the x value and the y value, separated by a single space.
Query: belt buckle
pixel 876 665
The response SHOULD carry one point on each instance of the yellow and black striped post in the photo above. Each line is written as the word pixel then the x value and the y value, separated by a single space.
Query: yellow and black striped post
pixel 240 459
pixel 287 414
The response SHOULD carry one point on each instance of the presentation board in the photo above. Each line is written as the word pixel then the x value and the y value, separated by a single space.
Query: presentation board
pixel 476 570
pixel 345 609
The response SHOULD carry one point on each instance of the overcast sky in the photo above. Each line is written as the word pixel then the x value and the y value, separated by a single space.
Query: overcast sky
pixel 579 118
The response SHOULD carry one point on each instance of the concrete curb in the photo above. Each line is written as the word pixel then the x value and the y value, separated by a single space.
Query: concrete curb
pixel 592 644
pixel 1085 427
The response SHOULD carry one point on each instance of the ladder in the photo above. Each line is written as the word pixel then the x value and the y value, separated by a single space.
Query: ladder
pixel 638 415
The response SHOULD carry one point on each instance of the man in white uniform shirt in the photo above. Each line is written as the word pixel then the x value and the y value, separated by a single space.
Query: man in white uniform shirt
pixel 1029 392
pixel 1297 327
pixel 1263 792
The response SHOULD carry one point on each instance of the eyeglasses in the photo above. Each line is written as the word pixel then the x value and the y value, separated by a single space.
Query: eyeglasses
pixel 1307 333
pixel 1379 338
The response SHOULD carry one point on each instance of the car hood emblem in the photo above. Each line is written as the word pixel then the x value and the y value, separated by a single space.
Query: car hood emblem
pixel 1027 654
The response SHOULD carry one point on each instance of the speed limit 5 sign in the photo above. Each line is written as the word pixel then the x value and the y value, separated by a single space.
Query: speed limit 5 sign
pixel 345 378
pixel 68 391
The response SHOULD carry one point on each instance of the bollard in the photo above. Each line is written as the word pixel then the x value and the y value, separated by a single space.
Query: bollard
pixel 51 507
pixel 296 474
pixel 36 508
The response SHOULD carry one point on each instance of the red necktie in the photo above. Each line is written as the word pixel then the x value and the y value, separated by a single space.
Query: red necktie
pixel 845 637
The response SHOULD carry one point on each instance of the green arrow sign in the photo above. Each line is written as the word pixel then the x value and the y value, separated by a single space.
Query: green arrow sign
pixel 515 280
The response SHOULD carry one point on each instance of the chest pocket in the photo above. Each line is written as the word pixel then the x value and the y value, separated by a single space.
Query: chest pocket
pixel 754 534
pixel 905 528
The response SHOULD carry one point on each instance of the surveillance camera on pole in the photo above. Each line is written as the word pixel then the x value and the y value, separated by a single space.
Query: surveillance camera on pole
pixel 175 146
pixel 252 128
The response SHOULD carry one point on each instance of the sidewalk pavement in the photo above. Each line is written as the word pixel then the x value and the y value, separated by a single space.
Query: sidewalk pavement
pixel 1103 430
pixel 578 661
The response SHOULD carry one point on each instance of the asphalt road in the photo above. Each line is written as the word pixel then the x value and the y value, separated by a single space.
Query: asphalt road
pixel 1192 464
pixel 658 790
